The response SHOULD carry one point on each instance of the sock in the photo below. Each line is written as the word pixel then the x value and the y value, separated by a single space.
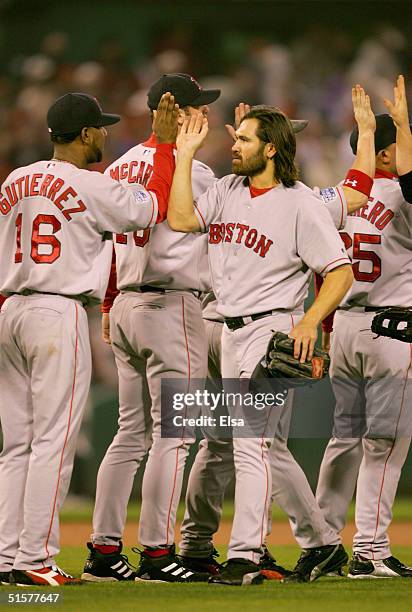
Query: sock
pixel 106 549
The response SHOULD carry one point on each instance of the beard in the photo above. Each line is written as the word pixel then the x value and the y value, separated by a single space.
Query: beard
pixel 95 155
pixel 250 167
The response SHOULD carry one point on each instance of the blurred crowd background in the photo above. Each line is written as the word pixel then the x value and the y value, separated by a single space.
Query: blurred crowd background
pixel 302 56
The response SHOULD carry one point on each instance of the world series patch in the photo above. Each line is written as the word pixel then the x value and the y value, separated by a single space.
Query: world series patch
pixel 140 196
pixel 328 194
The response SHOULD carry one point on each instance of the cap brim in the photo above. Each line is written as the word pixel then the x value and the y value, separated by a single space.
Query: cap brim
pixel 207 96
pixel 108 119
pixel 299 124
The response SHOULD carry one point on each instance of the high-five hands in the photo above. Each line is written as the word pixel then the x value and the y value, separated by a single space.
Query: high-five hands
pixel 362 109
pixel 165 119
pixel 398 109
pixel 240 112
pixel 192 134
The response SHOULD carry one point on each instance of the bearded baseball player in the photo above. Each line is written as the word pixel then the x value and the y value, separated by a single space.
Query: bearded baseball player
pixel 213 467
pixel 266 226
pixel 55 261
pixel 156 332
pixel 371 376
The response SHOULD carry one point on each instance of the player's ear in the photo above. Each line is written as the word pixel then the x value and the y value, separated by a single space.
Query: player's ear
pixel 270 150
pixel 84 135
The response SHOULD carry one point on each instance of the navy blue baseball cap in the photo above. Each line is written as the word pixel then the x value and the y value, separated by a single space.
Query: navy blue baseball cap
pixel 74 111
pixel 385 133
pixel 185 89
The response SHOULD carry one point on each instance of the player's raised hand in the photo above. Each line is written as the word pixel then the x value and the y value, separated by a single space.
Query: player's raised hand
pixel 192 134
pixel 240 112
pixel 362 109
pixel 398 109
pixel 165 120
pixel 305 335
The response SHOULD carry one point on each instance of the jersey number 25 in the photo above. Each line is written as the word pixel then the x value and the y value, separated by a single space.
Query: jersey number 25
pixel 363 255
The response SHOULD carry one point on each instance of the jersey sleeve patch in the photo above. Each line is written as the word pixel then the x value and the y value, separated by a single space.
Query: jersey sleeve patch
pixel 140 196
pixel 328 194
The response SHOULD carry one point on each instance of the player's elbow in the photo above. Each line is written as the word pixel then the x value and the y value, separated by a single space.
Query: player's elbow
pixel 345 277
pixel 178 223
pixel 355 200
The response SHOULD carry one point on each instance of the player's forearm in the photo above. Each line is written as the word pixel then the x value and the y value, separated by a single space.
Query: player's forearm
pixel 161 179
pixel 364 162
pixel 181 216
pixel 335 285
pixel 403 149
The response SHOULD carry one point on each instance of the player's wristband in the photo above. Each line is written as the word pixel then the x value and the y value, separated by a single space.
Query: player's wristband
pixel 359 181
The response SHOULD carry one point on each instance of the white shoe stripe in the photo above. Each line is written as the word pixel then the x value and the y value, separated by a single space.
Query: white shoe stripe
pixel 187 575
pixel 128 573
pixel 118 564
pixel 178 571
pixel 123 569
pixel 169 567
pixel 49 576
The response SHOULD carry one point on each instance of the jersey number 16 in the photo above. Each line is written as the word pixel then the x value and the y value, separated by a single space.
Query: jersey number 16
pixel 37 239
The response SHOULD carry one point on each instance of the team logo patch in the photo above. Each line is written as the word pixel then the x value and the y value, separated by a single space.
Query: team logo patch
pixel 328 193
pixel 140 196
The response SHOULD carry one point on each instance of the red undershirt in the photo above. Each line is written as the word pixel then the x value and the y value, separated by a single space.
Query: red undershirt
pixel 255 191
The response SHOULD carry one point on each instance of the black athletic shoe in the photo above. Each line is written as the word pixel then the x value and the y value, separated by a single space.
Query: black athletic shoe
pixel 359 567
pixel 207 565
pixel 238 572
pixel 316 562
pixel 5 577
pixel 270 569
pixel 107 568
pixel 167 568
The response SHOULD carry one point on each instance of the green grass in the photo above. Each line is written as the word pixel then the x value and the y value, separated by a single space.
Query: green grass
pixel 324 595
pixel 71 513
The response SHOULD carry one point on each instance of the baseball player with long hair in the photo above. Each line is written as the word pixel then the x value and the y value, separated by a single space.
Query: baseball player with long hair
pixel 371 376
pixel 264 234
pixel 55 260
pixel 213 467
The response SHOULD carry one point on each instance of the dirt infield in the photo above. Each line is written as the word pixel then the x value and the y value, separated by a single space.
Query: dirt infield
pixel 76 534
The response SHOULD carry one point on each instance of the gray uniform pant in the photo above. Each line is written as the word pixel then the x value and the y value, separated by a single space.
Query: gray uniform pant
pixel 372 382
pixel 213 469
pixel 45 370
pixel 153 336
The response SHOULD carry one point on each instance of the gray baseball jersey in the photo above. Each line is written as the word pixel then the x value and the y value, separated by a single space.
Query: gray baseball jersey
pixel 159 256
pixel 379 241
pixel 250 238
pixel 53 218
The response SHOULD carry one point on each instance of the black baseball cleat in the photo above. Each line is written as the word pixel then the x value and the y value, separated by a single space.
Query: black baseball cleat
pixel 5 577
pixel 101 567
pixel 269 568
pixel 316 562
pixel 207 565
pixel 238 572
pixel 359 568
pixel 166 568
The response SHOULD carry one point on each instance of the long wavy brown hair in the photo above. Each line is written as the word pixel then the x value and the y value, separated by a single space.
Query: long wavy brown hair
pixel 275 127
